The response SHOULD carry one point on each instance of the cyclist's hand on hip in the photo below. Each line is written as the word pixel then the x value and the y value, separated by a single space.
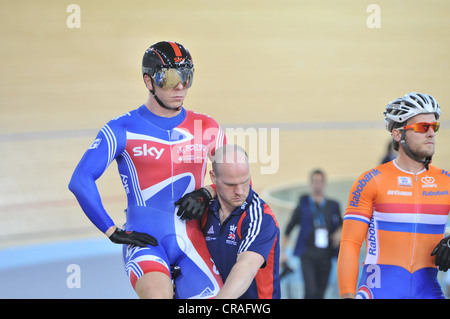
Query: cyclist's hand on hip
pixel 121 236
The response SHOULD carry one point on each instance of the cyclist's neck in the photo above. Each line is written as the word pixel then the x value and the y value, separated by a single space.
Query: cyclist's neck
pixel 407 164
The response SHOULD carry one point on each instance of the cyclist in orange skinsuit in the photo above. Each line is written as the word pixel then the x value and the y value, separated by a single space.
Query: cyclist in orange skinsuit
pixel 400 208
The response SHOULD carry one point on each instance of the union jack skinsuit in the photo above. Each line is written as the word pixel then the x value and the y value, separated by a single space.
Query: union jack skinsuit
pixel 159 160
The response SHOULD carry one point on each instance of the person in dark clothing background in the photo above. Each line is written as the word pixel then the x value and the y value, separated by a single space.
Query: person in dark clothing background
pixel 320 221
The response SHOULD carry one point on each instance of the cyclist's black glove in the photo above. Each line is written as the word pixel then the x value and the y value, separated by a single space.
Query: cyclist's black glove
pixel 193 205
pixel 121 236
pixel 442 252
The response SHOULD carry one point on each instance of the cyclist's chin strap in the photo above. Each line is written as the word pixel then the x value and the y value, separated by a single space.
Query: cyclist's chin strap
pixel 408 152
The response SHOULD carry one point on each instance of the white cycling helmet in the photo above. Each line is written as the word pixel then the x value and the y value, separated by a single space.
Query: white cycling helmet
pixel 412 104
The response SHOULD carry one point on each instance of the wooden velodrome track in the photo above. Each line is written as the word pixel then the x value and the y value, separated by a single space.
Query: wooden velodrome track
pixel 312 69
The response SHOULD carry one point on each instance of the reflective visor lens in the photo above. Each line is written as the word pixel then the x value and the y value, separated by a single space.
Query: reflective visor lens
pixel 422 127
pixel 169 78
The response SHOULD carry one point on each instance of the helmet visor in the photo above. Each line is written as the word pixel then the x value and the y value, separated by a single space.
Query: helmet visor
pixel 168 78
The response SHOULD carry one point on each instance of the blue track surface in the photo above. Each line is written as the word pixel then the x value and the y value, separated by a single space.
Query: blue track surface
pixel 45 271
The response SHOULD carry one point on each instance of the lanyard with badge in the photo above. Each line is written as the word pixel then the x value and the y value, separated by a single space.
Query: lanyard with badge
pixel 320 227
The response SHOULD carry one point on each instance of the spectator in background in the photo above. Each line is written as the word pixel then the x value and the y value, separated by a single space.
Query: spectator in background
pixel 320 224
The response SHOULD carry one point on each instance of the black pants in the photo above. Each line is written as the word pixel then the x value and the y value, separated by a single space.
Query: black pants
pixel 316 267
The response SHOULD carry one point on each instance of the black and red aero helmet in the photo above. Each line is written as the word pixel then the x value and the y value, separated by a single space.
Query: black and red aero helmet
pixel 166 54
pixel 168 63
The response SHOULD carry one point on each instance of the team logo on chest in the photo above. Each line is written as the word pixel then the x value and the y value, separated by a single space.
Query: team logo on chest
pixel 231 239
pixel 428 182
pixel 404 181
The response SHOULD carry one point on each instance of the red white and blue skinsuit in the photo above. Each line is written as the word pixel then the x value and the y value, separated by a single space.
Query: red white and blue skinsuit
pixel 159 160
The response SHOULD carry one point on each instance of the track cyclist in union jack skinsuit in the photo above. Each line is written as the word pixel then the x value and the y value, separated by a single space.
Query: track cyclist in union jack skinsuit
pixel 161 150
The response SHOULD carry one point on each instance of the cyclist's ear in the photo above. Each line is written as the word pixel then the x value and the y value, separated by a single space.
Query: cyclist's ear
pixel 396 135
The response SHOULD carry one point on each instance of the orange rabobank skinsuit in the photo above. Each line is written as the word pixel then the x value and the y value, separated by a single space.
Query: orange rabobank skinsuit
pixel 402 216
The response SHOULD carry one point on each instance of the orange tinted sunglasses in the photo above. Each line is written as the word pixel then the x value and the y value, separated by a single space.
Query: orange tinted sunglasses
pixel 422 127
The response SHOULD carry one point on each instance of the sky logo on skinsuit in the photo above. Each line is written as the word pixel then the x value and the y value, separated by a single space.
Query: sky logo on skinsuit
pixel 361 184
pixel 145 150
